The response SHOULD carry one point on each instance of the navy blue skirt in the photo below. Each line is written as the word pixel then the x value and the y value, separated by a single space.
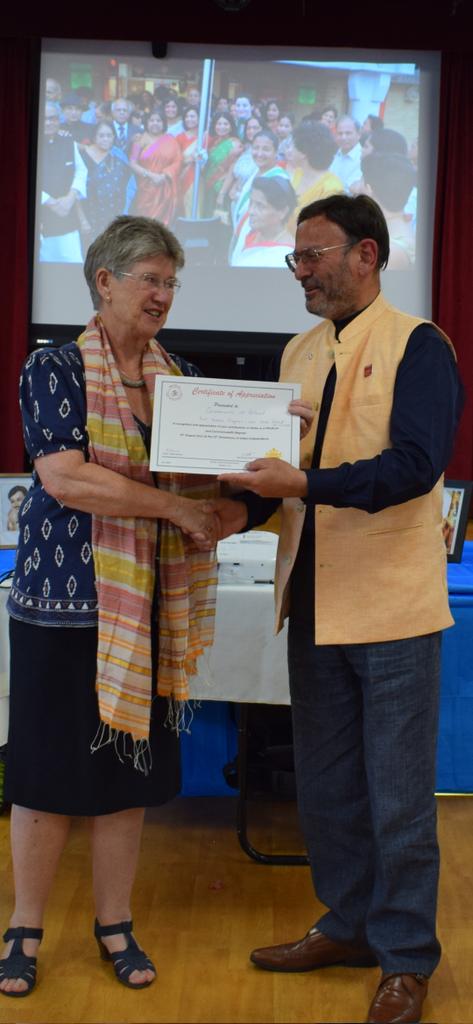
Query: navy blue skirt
pixel 53 720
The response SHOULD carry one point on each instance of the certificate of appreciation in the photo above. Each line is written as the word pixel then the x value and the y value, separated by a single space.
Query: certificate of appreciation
pixel 210 426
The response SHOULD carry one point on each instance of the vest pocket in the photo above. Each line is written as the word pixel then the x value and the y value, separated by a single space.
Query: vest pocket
pixel 379 398
pixel 400 529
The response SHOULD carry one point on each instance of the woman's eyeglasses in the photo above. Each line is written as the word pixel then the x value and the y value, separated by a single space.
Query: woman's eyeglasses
pixel 151 283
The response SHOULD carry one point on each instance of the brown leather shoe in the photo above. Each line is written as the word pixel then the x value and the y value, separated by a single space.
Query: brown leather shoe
pixel 313 951
pixel 399 999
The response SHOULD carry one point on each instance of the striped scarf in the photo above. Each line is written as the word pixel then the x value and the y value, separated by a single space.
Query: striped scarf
pixel 124 550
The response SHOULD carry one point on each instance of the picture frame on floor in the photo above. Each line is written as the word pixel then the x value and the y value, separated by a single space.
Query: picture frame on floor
pixel 456 504
pixel 13 490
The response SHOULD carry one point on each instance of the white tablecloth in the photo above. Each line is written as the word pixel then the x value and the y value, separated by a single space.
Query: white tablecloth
pixel 247 662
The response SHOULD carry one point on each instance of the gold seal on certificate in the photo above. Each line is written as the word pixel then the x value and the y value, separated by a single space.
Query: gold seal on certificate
pixel 211 426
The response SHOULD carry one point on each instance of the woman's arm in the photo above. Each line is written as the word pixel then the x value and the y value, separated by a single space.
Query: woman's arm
pixel 137 145
pixel 173 159
pixel 72 481
pixel 226 185
pixel 84 224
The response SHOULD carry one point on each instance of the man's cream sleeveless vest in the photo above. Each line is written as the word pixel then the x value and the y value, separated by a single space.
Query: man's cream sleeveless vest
pixel 378 576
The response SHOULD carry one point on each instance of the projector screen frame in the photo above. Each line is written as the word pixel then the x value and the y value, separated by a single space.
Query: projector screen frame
pixel 245 342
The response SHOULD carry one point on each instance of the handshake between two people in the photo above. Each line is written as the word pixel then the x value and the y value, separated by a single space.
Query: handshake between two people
pixel 268 478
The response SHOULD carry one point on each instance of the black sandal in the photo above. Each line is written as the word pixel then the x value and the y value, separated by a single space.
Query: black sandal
pixel 17 964
pixel 127 960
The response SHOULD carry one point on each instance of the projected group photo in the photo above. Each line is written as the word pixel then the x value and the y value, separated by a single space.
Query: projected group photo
pixel 224 153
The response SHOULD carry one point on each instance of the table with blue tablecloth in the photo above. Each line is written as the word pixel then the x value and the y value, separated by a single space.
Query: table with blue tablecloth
pixel 248 663
pixel 455 748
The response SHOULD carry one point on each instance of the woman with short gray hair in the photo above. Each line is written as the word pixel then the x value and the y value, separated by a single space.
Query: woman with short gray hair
pixel 111 603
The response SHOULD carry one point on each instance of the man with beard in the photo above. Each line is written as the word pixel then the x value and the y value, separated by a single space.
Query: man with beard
pixel 361 573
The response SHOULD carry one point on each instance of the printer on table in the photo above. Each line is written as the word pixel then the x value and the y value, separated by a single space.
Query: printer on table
pixel 247 557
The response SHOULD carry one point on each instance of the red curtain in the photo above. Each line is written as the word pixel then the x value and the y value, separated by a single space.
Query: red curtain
pixel 453 252
pixel 17 61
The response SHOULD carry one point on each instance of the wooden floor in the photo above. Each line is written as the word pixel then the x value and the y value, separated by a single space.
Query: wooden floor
pixel 200 905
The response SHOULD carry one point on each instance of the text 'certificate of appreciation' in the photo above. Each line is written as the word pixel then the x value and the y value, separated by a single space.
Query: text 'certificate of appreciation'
pixel 206 425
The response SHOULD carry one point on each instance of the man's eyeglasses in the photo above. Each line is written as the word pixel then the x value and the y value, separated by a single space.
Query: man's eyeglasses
pixel 311 255
pixel 150 283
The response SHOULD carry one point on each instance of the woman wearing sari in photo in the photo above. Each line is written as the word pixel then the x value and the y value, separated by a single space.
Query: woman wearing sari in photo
pixel 108 174
pixel 224 148
pixel 264 151
pixel 310 154
pixel 272 201
pixel 155 159
pixel 188 144
pixel 172 106
pixel 243 168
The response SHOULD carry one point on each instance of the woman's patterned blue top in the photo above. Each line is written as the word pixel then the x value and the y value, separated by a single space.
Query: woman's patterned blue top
pixel 54 580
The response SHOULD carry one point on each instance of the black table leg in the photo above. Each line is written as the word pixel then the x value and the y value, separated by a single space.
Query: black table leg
pixel 242 833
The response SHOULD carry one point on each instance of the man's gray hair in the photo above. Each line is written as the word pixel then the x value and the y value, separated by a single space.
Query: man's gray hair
pixel 126 241
pixel 121 99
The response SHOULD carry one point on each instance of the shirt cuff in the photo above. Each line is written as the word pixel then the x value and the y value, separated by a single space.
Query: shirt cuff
pixel 259 509
pixel 324 486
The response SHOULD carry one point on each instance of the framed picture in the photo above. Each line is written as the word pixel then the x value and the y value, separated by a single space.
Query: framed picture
pixel 13 489
pixel 456 503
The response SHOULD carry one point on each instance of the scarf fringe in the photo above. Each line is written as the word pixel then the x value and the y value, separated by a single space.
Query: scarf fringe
pixel 139 751
pixel 180 715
